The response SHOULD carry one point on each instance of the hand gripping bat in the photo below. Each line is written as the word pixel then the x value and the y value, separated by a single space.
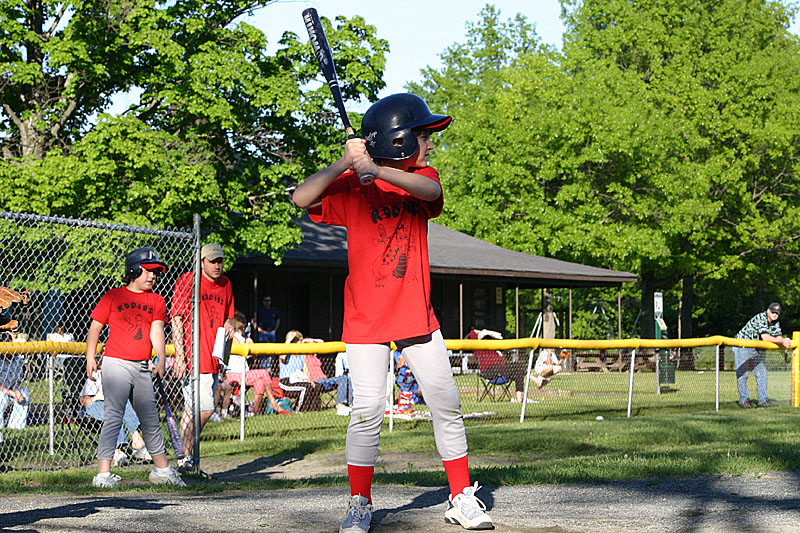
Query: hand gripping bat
pixel 323 52
pixel 174 434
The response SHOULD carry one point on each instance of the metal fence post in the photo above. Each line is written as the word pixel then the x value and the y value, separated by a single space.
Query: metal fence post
pixel 795 399
pixel 196 346
pixel 50 401
pixel 630 382
pixel 716 387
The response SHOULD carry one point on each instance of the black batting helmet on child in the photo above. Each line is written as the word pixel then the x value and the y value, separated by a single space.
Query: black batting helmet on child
pixel 142 258
pixel 389 123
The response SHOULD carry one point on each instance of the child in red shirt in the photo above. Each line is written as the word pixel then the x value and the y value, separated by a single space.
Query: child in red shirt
pixel 135 316
pixel 387 292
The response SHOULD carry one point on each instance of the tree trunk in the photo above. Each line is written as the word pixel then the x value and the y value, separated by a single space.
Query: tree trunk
pixel 647 319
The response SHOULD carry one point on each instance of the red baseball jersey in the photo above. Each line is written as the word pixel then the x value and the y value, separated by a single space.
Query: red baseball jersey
pixel 129 316
pixel 387 294
pixel 216 305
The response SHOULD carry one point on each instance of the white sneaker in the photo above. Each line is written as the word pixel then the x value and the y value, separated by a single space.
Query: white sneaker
pixel 106 480
pixel 344 410
pixel 215 417
pixel 120 458
pixel 467 511
pixel 359 515
pixel 142 455
pixel 170 478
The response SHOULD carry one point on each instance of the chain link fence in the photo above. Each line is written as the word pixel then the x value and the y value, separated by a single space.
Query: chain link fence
pixel 66 265
pixel 591 383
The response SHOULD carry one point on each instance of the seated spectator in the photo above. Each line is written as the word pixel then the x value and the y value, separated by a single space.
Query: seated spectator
pixel 491 367
pixel 18 336
pixel 259 378
pixel 12 393
pixel 548 363
pixel 405 378
pixel 342 366
pixel 344 389
pixel 293 372
pixel 92 403
pixel 59 334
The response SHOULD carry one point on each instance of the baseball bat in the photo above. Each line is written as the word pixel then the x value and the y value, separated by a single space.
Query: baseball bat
pixel 325 59
pixel 174 434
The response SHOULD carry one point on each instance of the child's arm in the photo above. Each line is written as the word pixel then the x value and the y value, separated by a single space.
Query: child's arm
pixel 309 192
pixel 416 185
pixel 92 338
pixel 159 345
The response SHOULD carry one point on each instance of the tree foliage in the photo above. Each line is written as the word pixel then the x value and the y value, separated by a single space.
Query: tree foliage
pixel 662 140
pixel 215 125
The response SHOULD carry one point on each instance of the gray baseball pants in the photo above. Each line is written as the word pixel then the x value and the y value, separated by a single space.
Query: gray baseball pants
pixel 428 359
pixel 122 381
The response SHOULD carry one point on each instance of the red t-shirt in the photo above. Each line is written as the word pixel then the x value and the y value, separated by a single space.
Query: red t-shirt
pixel 387 295
pixel 216 306
pixel 129 316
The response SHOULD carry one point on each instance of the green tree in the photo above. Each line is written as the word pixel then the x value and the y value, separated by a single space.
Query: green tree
pixel 216 125
pixel 663 141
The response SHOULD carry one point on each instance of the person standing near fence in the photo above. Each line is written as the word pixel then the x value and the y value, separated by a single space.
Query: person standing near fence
pixel 387 292
pixel 765 327
pixel 135 316
pixel 216 311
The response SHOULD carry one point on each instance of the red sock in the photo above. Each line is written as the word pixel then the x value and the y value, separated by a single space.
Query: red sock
pixel 457 472
pixel 361 480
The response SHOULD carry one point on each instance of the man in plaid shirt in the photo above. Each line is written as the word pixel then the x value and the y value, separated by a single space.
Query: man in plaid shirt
pixel 765 327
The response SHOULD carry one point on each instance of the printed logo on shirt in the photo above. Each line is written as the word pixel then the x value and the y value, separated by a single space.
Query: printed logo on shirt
pixel 398 250
pixel 393 211
pixel 210 308
pixel 133 305
pixel 136 325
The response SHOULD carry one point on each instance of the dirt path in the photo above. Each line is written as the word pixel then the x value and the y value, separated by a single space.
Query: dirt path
pixel 322 464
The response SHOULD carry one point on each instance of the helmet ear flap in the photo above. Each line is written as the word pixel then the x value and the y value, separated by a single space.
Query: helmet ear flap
pixel 135 272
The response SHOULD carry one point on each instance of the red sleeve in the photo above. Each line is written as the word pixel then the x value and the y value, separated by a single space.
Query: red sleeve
pixel 181 296
pixel 333 209
pixel 433 207
pixel 102 310
pixel 160 309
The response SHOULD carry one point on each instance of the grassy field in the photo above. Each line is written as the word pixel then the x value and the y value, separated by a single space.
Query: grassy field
pixel 674 433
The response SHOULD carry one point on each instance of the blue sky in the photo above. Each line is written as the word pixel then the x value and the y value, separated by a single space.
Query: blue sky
pixel 417 30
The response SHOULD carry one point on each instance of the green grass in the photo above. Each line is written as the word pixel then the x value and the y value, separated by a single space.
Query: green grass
pixel 676 433
pixel 733 441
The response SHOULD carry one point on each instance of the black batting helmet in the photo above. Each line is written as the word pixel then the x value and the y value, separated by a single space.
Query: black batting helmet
pixel 387 125
pixel 142 258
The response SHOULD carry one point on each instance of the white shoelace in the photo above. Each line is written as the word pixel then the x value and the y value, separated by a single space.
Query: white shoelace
pixel 470 504
pixel 359 511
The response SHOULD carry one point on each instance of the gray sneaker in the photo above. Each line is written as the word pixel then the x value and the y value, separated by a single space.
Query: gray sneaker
pixel 359 515
pixel 467 511
pixel 170 478
pixel 106 480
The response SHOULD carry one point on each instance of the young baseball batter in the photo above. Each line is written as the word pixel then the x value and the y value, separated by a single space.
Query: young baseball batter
pixel 387 293
pixel 135 316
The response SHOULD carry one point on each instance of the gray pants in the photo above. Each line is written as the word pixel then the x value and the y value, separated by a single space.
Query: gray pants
pixel 123 381
pixel 428 359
